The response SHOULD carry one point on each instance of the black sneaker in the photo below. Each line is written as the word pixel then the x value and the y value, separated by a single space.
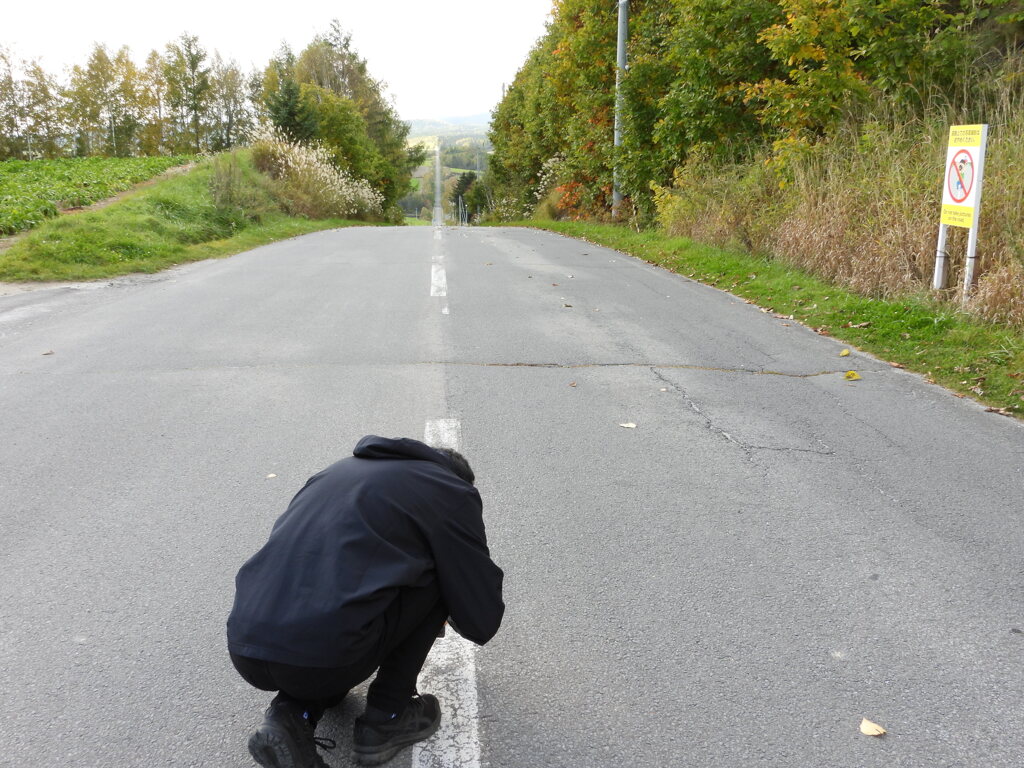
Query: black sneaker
pixel 375 742
pixel 285 739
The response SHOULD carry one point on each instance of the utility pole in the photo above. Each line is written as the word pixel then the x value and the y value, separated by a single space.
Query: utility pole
pixel 620 70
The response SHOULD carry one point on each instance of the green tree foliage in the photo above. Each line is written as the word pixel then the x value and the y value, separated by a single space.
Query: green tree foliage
pixel 462 185
pixel 185 100
pixel 331 64
pixel 717 81
pixel 287 110
pixel 229 116
pixel 338 125
pixel 188 91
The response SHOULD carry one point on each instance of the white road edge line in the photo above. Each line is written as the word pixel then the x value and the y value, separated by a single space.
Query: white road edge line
pixel 450 670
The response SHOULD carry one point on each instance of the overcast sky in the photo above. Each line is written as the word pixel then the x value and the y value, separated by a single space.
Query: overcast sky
pixel 443 59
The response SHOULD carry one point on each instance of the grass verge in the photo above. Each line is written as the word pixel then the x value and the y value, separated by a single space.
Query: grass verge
pixel 174 221
pixel 968 356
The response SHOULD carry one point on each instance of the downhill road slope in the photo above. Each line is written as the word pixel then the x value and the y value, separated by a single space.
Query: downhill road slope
pixel 763 555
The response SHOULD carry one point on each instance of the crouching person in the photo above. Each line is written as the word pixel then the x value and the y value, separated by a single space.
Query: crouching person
pixel 359 575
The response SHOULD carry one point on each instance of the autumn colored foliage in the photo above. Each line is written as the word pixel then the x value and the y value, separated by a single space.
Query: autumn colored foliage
pixel 712 81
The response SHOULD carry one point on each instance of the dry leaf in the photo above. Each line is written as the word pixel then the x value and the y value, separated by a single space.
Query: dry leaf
pixel 567 305
pixel 845 353
pixel 897 365
pixel 270 476
pixel 664 389
pixel 555 284
pixel 572 383
pixel 871 729
pixel 488 264
pixel 628 425
pixel 47 353
pixel 1000 411
pixel 851 376
pixel 860 325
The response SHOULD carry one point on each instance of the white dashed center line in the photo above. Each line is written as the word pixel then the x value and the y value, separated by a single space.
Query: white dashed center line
pixel 438 281
pixel 450 670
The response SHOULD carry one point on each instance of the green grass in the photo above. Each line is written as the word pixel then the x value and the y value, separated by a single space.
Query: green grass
pixel 975 359
pixel 173 221
pixel 413 222
pixel 35 190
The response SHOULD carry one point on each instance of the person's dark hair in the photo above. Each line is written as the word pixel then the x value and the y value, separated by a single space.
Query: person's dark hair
pixel 459 464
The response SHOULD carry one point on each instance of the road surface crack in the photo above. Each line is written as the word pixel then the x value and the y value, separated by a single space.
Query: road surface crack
pixel 650 366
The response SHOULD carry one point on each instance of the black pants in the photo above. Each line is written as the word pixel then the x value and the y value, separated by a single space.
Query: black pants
pixel 411 623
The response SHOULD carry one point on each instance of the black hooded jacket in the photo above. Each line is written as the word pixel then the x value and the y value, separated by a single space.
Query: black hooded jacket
pixel 393 515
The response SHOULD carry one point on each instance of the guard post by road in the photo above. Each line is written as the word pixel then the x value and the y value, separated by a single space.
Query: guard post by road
pixel 961 197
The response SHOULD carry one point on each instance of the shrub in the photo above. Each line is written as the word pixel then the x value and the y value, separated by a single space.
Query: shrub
pixel 309 184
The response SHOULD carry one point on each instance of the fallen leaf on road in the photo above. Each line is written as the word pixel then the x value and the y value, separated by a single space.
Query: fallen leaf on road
pixel 845 353
pixel 555 284
pixel 628 425
pixel 1000 411
pixel 664 389
pixel 488 263
pixel 897 365
pixel 572 383
pixel 567 305
pixel 871 729
pixel 270 476
pixel 47 353
pixel 852 376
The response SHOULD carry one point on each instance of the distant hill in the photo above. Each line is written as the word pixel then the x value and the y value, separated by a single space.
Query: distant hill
pixel 451 127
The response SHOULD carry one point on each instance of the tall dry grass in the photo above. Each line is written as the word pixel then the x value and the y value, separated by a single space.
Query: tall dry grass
pixel 862 209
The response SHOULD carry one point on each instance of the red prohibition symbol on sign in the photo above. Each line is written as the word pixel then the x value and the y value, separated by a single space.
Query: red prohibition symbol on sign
pixel 960 178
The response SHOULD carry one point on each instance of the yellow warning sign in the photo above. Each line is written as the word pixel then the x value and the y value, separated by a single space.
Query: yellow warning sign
pixel 961 191
pixel 957 216
pixel 965 135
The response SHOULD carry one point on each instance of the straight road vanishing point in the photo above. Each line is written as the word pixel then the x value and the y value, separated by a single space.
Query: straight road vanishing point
pixel 771 555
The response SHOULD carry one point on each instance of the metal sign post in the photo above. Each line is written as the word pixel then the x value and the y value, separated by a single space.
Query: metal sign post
pixel 961 197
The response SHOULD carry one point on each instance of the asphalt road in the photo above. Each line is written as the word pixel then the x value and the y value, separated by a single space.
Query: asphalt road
pixel 771 554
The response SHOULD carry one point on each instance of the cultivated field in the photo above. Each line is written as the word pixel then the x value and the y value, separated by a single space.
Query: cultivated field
pixel 34 190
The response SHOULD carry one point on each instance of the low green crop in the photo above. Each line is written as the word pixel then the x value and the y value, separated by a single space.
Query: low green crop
pixel 34 190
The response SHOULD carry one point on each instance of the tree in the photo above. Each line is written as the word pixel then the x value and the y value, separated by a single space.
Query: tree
pixel 152 102
pixel 341 129
pixel 9 108
pixel 188 91
pixel 290 113
pixel 40 111
pixel 329 62
pixel 125 108
pixel 230 114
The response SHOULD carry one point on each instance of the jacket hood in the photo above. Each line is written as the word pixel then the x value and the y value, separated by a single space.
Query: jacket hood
pixel 376 447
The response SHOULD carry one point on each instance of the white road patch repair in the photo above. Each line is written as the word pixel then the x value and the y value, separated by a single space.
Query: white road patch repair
pixel 450 671
pixel 438 281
